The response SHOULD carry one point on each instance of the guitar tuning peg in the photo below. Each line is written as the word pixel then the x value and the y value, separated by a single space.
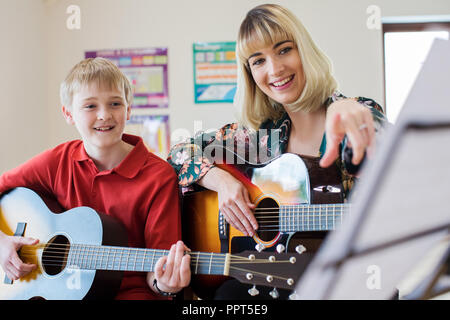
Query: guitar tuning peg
pixel 300 249
pixel 274 293
pixel 259 247
pixel 293 296
pixel 280 248
pixel 253 291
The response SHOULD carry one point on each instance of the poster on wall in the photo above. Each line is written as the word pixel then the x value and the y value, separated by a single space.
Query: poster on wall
pixel 215 71
pixel 154 130
pixel 147 71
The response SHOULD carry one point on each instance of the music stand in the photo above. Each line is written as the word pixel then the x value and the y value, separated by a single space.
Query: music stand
pixel 400 204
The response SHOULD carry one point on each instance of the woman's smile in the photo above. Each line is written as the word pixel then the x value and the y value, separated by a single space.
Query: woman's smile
pixel 283 83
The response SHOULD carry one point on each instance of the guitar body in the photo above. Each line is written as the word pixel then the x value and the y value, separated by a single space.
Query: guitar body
pixel 78 225
pixel 287 180
pixel 284 180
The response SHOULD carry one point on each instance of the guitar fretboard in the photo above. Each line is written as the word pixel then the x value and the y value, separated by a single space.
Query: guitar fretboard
pixel 320 217
pixel 93 257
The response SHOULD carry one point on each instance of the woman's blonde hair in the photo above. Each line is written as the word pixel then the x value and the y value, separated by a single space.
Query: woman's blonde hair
pixel 264 26
pixel 100 70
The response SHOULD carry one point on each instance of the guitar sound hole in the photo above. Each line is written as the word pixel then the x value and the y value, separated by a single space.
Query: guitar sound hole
pixel 54 256
pixel 266 214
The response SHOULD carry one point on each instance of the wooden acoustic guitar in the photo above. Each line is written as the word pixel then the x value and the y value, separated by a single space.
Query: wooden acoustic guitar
pixel 82 254
pixel 281 191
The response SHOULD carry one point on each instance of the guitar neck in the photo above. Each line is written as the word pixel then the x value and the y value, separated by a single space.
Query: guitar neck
pixel 91 257
pixel 316 217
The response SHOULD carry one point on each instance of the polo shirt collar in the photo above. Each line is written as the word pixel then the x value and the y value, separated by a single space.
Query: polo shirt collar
pixel 133 162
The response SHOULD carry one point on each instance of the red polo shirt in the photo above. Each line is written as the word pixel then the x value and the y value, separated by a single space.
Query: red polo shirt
pixel 141 192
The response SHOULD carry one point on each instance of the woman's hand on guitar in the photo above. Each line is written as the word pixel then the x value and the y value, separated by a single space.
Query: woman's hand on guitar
pixel 173 272
pixel 348 117
pixel 10 261
pixel 234 200
pixel 235 204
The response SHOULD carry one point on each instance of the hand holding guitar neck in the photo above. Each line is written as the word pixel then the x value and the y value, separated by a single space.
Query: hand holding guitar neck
pixel 177 271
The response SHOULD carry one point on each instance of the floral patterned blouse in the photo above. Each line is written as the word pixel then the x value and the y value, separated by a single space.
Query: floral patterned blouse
pixel 192 159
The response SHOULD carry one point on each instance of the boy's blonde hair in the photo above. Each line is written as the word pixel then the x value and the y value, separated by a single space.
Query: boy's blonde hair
pixel 90 70
pixel 264 26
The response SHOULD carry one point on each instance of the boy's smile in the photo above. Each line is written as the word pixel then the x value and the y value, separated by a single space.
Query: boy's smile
pixel 100 115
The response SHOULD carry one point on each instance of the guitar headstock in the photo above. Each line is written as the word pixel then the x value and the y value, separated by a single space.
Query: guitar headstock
pixel 279 270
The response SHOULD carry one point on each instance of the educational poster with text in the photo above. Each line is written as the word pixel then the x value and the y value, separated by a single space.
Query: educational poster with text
pixel 215 71
pixel 154 130
pixel 147 71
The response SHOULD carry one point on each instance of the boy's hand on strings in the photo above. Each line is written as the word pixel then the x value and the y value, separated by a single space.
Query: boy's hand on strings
pixel 10 261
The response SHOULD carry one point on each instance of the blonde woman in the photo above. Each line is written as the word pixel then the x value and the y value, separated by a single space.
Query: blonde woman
pixel 285 85
pixel 288 102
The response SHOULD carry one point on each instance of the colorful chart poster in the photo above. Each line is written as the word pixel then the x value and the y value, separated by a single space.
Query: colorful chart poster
pixel 147 71
pixel 154 130
pixel 215 71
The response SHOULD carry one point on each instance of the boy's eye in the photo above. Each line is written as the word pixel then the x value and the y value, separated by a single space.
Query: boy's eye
pixel 90 106
pixel 116 104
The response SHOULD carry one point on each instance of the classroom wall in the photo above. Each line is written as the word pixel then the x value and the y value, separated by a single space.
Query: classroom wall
pixel 24 113
pixel 41 50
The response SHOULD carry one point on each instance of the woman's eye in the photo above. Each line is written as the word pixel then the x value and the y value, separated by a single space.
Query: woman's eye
pixel 257 62
pixel 285 50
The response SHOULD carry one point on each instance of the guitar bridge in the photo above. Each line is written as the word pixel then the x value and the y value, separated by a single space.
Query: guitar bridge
pixel 327 188
pixel 224 232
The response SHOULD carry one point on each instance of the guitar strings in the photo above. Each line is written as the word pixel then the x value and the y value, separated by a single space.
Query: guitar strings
pixel 269 217
pixel 310 206
pixel 211 267
pixel 143 259
pixel 136 255
pixel 212 262
pixel 140 260
pixel 195 256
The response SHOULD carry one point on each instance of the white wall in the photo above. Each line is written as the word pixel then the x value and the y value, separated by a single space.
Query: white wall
pixel 338 26
pixel 24 74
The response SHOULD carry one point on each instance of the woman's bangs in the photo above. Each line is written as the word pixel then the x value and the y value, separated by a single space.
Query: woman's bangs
pixel 258 35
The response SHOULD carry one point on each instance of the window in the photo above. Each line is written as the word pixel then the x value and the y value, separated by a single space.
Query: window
pixel 407 41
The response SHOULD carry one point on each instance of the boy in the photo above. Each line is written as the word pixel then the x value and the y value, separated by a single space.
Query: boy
pixel 111 172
